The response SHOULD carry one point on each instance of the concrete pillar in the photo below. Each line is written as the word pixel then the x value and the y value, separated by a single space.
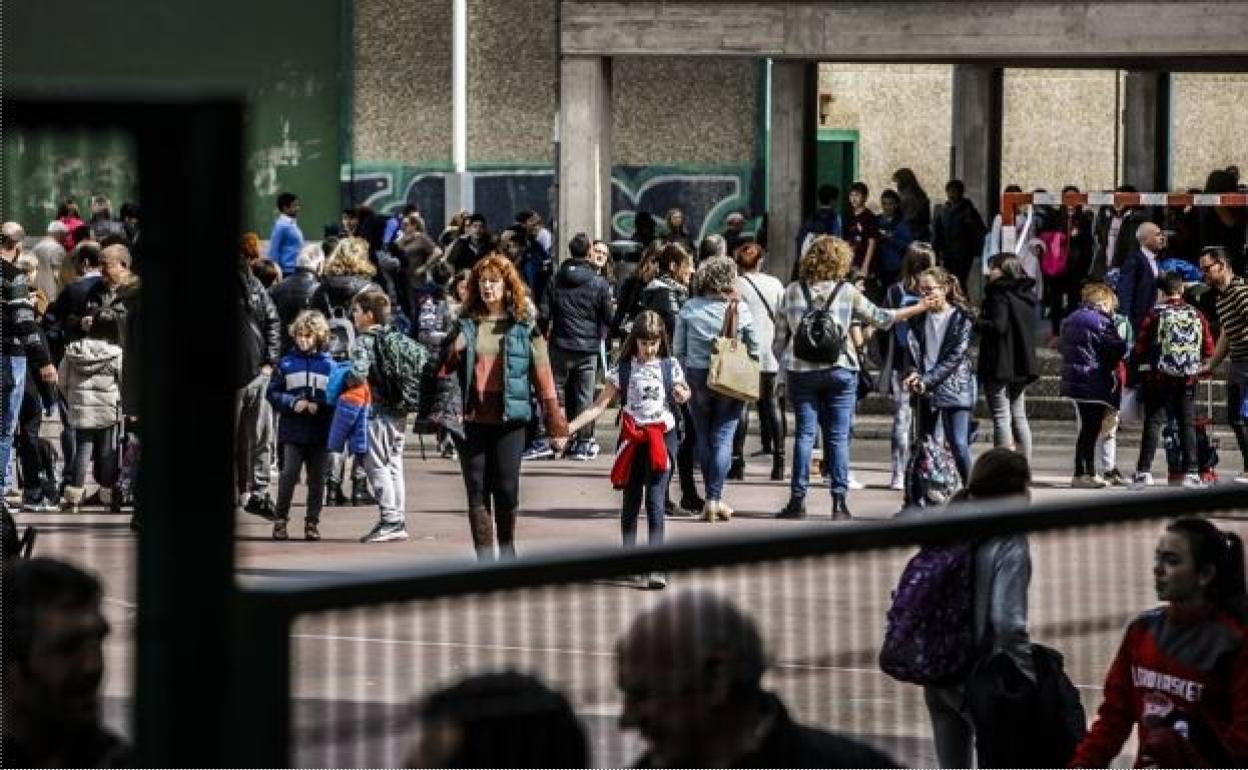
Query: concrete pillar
pixel 1146 130
pixel 975 156
pixel 584 147
pixel 790 162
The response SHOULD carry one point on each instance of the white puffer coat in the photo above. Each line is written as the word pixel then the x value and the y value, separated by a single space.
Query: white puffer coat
pixel 90 378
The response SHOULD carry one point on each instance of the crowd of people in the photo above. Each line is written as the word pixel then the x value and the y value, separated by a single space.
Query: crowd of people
pixel 498 345
pixel 508 354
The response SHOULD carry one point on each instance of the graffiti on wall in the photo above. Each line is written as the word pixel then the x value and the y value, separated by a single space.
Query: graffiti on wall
pixel 42 168
pixel 707 197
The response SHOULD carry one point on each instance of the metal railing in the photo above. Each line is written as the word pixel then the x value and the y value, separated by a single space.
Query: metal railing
pixel 332 664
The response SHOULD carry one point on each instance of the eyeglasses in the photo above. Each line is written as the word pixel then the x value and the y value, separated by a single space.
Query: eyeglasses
pixel 928 289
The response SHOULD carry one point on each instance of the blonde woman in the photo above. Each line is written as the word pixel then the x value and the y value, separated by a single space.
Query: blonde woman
pixel 824 392
pixel 346 273
pixel 1091 348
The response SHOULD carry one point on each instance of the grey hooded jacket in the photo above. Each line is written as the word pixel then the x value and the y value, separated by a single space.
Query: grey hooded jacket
pixel 90 378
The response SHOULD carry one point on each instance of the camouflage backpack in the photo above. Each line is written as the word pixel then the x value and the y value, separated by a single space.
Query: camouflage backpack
pixel 400 367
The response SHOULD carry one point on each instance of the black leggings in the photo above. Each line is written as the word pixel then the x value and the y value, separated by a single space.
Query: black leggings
pixel 489 456
pixel 686 459
pixel 1091 415
pixel 771 417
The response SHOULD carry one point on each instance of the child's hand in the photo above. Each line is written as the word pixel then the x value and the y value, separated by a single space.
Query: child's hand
pixel 300 405
pixel 681 393
pixel 311 407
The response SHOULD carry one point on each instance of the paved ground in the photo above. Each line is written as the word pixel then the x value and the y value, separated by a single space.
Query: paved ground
pixel 822 618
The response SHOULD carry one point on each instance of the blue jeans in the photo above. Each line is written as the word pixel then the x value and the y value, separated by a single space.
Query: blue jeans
pixel 823 400
pixel 956 423
pixel 12 387
pixel 644 481
pixel 715 419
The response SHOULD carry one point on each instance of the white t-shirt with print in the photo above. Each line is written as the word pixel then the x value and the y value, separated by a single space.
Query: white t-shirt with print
pixel 644 398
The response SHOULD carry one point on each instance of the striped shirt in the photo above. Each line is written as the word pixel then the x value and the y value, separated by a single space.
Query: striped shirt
pixel 849 306
pixel 1232 306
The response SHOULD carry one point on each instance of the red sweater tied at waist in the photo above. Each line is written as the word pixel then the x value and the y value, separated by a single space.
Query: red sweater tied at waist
pixel 635 438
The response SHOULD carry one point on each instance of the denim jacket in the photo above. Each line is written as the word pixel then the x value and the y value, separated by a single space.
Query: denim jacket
pixel 700 322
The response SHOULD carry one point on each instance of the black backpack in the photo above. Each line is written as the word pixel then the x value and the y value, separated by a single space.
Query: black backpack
pixel 1023 724
pixel 818 338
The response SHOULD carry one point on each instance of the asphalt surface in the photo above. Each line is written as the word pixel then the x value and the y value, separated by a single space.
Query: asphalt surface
pixel 355 673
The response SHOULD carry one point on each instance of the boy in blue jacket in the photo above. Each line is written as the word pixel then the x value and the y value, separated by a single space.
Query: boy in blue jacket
pixel 297 391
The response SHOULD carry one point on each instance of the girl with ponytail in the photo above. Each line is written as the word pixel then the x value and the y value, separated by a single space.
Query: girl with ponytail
pixel 1181 674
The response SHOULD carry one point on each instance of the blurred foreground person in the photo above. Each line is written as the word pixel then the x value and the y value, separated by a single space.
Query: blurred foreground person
pixel 53 666
pixel 690 670
pixel 499 720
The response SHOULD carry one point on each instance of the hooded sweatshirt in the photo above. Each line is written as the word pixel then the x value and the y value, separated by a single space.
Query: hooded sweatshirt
pixel 90 376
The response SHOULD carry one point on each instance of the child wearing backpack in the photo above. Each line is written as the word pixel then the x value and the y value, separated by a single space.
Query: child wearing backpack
pixel 652 384
pixel 958 603
pixel 936 364
pixel 390 363
pixel 298 392
pixel 90 379
pixel 1173 343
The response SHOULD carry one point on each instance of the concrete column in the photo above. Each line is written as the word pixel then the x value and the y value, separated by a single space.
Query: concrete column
pixel 1146 130
pixel 790 162
pixel 584 147
pixel 975 156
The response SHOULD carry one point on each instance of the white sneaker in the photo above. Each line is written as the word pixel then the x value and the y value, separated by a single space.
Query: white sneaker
pixel 898 484
pixel 1141 480
pixel 853 483
pixel 1242 478
pixel 1088 482
pixel 1193 481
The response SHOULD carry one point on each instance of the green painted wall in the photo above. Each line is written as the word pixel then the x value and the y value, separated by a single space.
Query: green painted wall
pixel 283 55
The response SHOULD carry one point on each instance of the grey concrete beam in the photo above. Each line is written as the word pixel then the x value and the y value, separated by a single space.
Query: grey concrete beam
pixel 943 30
pixel 976 151
pixel 789 162
pixel 584 147
pixel 1146 130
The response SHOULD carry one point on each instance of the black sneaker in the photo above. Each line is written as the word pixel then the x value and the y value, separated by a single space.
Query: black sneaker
pixel 692 505
pixel 262 506
pixel 794 509
pixel 385 532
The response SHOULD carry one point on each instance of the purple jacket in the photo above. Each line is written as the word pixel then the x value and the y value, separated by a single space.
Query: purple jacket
pixel 1091 349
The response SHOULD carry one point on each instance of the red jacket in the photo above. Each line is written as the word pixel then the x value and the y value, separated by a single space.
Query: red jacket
pixel 634 438
pixel 1183 681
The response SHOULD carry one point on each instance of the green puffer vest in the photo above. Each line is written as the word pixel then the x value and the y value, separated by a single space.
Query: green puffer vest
pixel 517 364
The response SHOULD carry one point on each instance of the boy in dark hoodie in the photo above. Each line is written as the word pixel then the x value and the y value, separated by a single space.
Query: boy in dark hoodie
pixel 297 391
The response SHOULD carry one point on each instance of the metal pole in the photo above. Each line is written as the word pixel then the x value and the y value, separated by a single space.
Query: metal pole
pixel 459 90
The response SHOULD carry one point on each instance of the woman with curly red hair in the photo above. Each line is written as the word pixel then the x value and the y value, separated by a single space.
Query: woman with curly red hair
pixel 499 357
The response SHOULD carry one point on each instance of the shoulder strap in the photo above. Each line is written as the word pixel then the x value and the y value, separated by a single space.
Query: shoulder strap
pixel 625 370
pixel 669 384
pixel 806 293
pixel 770 313
pixel 729 328
pixel 832 296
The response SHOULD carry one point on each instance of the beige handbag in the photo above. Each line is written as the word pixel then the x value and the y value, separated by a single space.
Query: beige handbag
pixel 733 373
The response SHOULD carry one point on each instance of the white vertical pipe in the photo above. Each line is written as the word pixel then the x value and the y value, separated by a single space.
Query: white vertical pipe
pixel 459 87
pixel 459 79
